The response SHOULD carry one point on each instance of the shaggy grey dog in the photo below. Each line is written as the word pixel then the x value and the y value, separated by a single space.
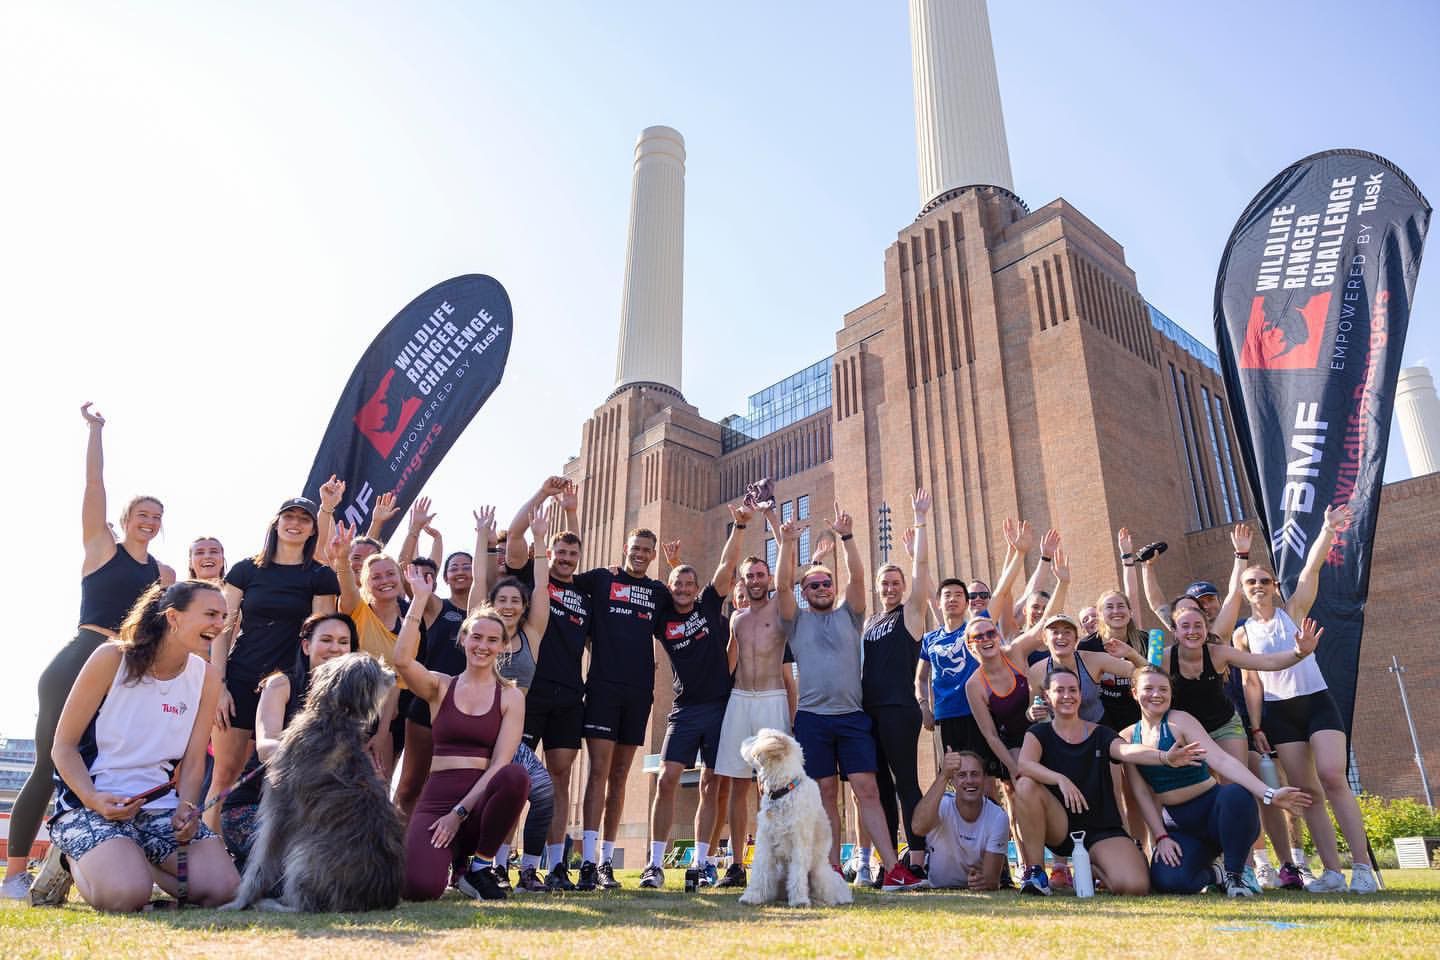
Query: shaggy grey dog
pixel 329 840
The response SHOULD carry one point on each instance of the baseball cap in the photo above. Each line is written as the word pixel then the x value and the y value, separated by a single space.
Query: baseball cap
pixel 1201 588
pixel 1062 618
pixel 300 503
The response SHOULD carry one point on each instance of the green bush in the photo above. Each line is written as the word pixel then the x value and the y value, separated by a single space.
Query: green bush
pixel 1385 820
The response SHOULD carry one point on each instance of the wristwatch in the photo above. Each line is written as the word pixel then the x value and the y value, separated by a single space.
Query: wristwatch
pixel 460 811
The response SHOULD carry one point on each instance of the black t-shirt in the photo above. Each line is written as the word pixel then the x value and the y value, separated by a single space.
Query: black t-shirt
pixel 1087 764
pixel 695 643
pixel 888 655
pixel 562 649
pixel 277 600
pixel 623 611
pixel 442 653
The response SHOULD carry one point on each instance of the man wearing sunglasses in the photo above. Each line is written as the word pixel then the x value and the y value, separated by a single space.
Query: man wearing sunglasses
pixel 833 730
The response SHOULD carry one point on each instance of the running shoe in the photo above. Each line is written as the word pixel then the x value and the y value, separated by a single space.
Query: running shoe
pixel 558 880
pixel 1034 882
pixel 482 884
pixel 1331 881
pixel 1060 877
pixel 1363 880
pixel 52 883
pixel 652 878
pixel 530 882
pixel 734 877
pixel 502 875
pixel 1235 886
pixel 607 877
pixel 1305 874
pixel 899 878
pixel 863 877
pixel 17 887
pixel 1250 880
pixel 709 876
pixel 1290 878
pixel 1268 876
pixel 589 877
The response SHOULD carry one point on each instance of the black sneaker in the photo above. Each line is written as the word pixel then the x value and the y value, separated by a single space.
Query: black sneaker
pixel 651 878
pixel 558 881
pixel 482 884
pixel 502 874
pixel 734 877
pixel 589 877
pixel 530 882
pixel 607 877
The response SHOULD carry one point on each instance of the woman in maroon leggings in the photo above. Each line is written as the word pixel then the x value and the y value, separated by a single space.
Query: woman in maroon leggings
pixel 468 805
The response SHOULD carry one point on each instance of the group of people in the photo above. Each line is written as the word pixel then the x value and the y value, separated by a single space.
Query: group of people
pixel 156 720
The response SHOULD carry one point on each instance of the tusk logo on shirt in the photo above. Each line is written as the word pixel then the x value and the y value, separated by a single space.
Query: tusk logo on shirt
pixel 176 708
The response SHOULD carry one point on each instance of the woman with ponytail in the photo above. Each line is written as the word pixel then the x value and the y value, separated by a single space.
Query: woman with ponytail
pixel 126 817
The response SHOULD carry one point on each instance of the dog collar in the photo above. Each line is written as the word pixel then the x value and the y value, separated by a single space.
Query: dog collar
pixel 777 794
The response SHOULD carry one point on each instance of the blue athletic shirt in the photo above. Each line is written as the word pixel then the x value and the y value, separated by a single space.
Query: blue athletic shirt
pixel 951 664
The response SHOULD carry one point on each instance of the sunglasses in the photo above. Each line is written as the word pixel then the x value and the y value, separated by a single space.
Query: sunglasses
pixel 1258 581
pixel 985 634
pixel 980 595
pixel 819 584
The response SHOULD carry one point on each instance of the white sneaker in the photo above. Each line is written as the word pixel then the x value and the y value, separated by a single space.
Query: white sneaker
pixel 863 877
pixel 1363 880
pixel 17 887
pixel 1268 876
pixel 1331 881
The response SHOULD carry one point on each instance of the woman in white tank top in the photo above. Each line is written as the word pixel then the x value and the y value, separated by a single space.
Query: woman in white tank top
pixel 1298 717
pixel 142 704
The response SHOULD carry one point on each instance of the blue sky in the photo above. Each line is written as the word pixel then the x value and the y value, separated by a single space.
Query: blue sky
pixel 210 208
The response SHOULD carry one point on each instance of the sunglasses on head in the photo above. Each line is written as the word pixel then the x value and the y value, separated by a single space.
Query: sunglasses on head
pixel 980 595
pixel 819 584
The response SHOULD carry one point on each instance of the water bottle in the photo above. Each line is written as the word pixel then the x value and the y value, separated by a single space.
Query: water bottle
pixel 1080 866
pixel 1157 648
pixel 1268 773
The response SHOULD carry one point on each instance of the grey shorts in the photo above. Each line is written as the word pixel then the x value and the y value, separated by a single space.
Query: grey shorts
pixel 78 832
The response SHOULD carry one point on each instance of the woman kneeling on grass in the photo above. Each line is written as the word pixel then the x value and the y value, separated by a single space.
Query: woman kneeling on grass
pixel 1189 814
pixel 468 805
pixel 140 706
pixel 1065 786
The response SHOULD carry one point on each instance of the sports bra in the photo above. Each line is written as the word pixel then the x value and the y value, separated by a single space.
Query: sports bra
pixel 456 733
pixel 107 594
pixel 1161 778
pixel 1090 707
pixel 1008 709
pixel 519 665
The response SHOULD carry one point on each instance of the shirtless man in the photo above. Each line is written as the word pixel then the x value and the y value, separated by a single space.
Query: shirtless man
pixel 763 694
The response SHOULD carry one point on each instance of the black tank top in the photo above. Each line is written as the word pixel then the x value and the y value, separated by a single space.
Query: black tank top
pixel 1204 698
pixel 107 594
pixel 888 657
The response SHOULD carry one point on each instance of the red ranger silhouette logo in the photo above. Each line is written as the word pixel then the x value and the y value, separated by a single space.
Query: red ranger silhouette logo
pixel 383 419
pixel 620 591
pixel 674 631
pixel 1286 337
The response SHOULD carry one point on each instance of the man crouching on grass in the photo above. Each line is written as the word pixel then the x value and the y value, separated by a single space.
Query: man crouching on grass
pixel 966 833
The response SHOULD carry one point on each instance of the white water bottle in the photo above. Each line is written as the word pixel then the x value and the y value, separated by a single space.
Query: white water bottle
pixel 1268 773
pixel 1080 865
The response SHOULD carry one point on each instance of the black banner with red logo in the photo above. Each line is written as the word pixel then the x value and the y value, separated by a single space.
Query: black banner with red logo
pixel 1311 309
pixel 412 393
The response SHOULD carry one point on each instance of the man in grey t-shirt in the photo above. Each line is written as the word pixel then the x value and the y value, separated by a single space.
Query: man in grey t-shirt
pixel 833 731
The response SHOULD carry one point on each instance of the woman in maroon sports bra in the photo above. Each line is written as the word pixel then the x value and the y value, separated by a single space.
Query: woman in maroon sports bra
pixel 468 805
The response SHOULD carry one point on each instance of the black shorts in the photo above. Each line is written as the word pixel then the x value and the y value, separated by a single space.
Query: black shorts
pixel 1298 719
pixel 553 716
pixel 963 733
pixel 245 694
pixel 1067 846
pixel 692 729
pixel 617 712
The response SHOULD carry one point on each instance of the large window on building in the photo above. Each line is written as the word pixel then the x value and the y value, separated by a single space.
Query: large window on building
pixel 805 546
pixel 1182 423
pixel 787 511
pixel 1227 453
pixel 771 553
pixel 800 395
pixel 802 506
pixel 1226 507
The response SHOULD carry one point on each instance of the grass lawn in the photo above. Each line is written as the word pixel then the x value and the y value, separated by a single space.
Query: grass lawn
pixel 641 925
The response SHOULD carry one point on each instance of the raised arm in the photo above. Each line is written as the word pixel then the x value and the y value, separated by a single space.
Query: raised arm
pixel 99 541
pixel 1155 597
pixel 1020 540
pixel 724 576
pixel 1059 562
pixel 570 504
pixel 856 590
pixel 423 683
pixel 921 582
pixel 420 517
pixel 1130 581
pixel 515 551
pixel 1309 582
pixel 926 816
pixel 1224 624
pixel 539 617
pixel 480 570
pixel 1049 542
pixel 332 491
pixel 785 576
pixel 385 508
pixel 340 542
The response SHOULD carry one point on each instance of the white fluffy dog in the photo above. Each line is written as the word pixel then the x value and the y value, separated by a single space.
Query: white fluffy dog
pixel 792 837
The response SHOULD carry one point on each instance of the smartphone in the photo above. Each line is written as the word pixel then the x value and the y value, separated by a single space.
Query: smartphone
pixel 154 793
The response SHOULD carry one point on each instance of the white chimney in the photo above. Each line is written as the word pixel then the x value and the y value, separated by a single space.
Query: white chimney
pixel 650 312
pixel 1417 411
pixel 959 128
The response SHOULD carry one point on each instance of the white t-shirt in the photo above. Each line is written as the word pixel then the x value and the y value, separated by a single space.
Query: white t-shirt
pixel 956 844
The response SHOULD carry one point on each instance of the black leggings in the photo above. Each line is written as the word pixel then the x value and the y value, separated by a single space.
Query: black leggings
pixel 897 735
pixel 542 801
pixel 55 684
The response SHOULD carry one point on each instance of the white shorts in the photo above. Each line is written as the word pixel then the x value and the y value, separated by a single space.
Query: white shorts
pixel 747 713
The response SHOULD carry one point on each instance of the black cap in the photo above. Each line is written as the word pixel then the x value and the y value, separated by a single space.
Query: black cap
pixel 300 503
pixel 1201 588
